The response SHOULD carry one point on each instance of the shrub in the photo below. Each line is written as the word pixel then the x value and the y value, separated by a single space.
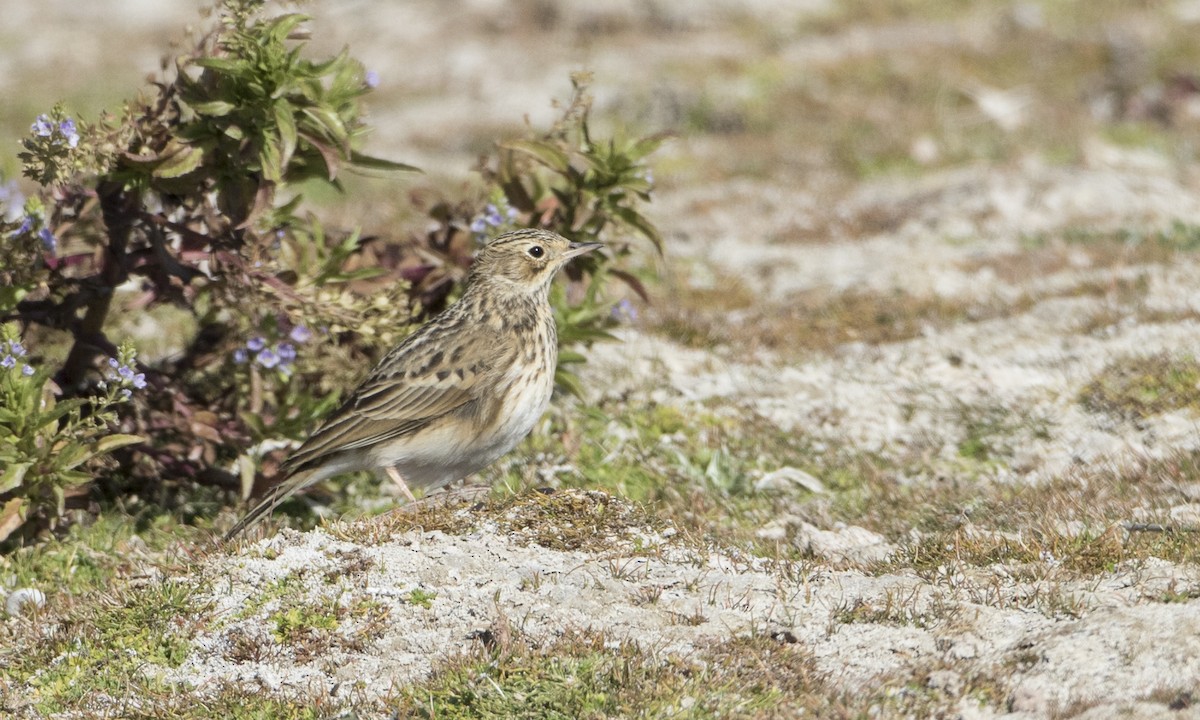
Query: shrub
pixel 191 197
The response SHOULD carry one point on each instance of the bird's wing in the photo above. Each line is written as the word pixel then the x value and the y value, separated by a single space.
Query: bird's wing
pixel 415 384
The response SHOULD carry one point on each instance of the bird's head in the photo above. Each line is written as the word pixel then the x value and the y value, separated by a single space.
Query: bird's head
pixel 526 259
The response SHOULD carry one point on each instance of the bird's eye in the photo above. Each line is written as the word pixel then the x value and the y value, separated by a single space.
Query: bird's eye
pixel 536 251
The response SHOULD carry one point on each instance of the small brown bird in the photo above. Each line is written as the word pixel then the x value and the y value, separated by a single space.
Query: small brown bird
pixel 459 392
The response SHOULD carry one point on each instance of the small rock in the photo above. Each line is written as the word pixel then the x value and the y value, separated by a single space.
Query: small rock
pixel 1186 514
pixel 788 478
pixel 21 598
pixel 846 542
pixel 774 531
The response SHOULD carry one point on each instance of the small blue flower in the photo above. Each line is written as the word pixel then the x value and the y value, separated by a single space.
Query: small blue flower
pixel 114 363
pixel 300 334
pixel 511 213
pixel 139 380
pixel 492 215
pixel 479 227
pixel 286 352
pixel 48 240
pixel 268 359
pixel 256 343
pixel 27 370
pixel 372 79
pixel 16 348
pixel 8 361
pixel 240 356
pixel 624 311
pixel 126 393
pixel 42 126
pixel 26 226
pixel 125 372
pixel 67 128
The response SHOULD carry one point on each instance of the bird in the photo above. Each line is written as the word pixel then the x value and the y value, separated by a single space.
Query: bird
pixel 456 394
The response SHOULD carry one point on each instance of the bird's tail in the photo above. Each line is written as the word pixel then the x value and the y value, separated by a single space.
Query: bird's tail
pixel 272 500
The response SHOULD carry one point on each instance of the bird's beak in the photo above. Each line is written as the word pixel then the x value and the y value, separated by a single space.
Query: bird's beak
pixel 577 249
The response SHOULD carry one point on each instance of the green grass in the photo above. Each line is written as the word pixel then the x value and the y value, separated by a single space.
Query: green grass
pixel 108 548
pixel 1135 388
pixel 105 651
pixel 586 675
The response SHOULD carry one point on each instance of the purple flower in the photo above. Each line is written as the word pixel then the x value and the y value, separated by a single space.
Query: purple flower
pixel 48 240
pixel 256 343
pixel 126 393
pixel 26 226
pixel 268 359
pixel 42 126
pixel 372 79
pixel 624 311
pixel 300 334
pixel 139 380
pixel 16 348
pixel 511 213
pixel 492 215
pixel 240 356
pixel 27 370
pixel 479 227
pixel 8 361
pixel 67 128
pixel 125 372
pixel 114 363
pixel 286 352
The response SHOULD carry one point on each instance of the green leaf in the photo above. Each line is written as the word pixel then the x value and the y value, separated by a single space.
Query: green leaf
pixel 285 120
pixel 12 516
pixel 13 476
pixel 213 108
pixel 181 163
pixel 269 158
pixel 569 382
pixel 329 122
pixel 374 163
pixel 646 146
pixel 635 220
pixel 549 155
pixel 224 65
pixel 108 443
pixel 283 25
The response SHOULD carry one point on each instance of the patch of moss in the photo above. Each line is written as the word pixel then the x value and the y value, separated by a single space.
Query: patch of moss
pixel 990 430
pixel 90 556
pixel 567 519
pixel 298 623
pixel 103 654
pixel 585 675
pixel 1138 387
pixel 421 598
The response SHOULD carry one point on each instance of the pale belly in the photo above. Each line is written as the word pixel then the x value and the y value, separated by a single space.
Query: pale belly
pixel 441 455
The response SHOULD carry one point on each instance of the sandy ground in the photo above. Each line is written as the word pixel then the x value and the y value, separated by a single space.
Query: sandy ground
pixel 455 72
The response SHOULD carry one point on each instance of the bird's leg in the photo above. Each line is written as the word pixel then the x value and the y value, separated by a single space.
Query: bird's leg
pixel 394 474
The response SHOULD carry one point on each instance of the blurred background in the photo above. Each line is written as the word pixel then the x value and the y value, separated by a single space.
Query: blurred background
pixel 778 109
